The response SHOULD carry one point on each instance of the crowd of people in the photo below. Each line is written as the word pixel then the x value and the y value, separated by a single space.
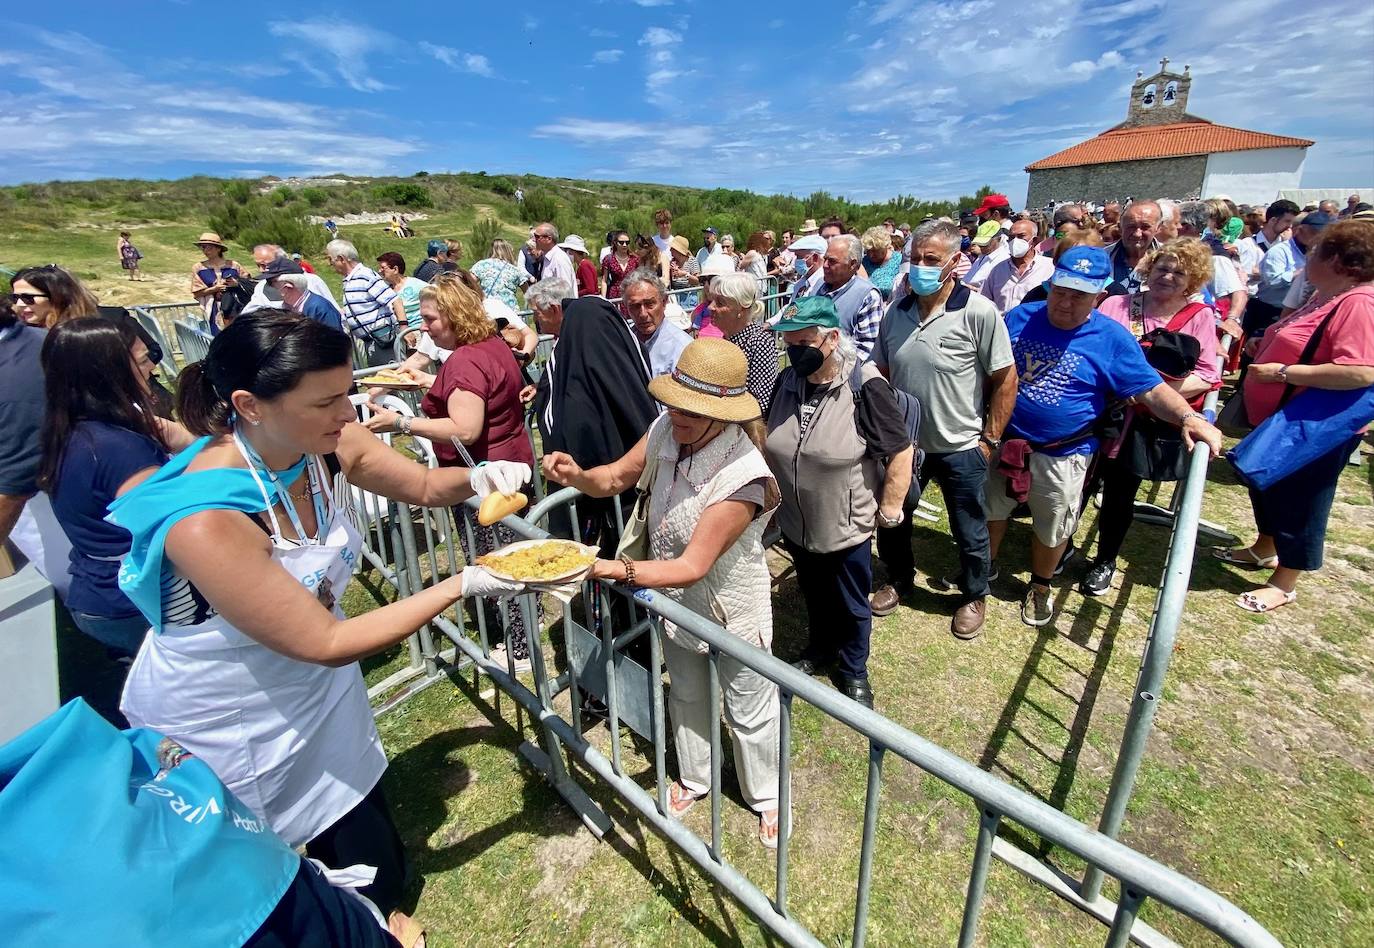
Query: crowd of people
pixel 1024 361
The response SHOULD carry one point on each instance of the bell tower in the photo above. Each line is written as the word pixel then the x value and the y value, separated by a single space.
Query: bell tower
pixel 1160 99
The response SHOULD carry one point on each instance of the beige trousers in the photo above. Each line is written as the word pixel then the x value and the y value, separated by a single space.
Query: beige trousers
pixel 751 710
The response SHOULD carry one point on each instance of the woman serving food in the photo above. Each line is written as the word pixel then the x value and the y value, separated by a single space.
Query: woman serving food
pixel 238 558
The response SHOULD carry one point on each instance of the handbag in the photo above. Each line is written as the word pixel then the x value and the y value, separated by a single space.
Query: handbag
pixel 1153 450
pixel 634 536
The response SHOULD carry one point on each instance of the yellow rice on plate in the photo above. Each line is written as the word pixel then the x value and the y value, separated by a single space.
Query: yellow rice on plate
pixel 549 559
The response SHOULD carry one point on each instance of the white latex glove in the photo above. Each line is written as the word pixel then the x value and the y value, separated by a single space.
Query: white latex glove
pixel 499 477
pixel 479 581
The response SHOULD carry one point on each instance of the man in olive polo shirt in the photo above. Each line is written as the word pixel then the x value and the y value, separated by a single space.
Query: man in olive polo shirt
pixel 949 348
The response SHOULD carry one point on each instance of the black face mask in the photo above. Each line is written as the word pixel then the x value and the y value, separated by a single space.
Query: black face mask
pixel 805 359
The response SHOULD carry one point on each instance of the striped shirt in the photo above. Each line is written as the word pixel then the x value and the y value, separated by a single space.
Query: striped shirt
pixel 367 305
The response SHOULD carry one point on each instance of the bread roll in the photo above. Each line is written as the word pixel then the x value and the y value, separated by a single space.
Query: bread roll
pixel 499 506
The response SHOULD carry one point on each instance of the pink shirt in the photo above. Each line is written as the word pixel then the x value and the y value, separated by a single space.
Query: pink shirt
pixel 1347 340
pixel 1202 327
pixel 1006 288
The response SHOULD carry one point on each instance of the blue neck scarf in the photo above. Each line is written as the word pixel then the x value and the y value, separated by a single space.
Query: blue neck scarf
pixel 171 495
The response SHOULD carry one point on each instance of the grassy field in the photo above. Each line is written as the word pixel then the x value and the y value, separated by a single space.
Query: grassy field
pixel 1257 781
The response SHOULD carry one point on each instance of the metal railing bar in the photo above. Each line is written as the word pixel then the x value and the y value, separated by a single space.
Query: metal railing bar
pixel 607 631
pixel 870 831
pixel 659 722
pixel 1126 911
pixel 713 702
pixel 988 821
pixel 784 796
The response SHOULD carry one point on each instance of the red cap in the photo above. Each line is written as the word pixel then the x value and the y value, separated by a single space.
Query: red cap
pixel 991 201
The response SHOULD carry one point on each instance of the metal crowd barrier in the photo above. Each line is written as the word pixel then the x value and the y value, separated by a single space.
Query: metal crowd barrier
pixel 193 341
pixel 165 315
pixel 599 664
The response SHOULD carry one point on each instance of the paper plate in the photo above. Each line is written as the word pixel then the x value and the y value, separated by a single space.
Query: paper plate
pixel 387 383
pixel 564 577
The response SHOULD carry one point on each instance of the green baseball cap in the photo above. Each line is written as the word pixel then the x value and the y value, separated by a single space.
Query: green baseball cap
pixel 818 311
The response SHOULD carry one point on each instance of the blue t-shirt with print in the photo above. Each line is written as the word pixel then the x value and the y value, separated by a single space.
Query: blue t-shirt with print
pixel 1067 376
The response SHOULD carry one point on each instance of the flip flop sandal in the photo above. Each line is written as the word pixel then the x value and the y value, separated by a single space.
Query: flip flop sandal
pixel 680 800
pixel 769 842
pixel 1244 557
pixel 1250 602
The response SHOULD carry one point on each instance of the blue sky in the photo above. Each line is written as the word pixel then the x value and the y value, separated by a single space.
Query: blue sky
pixel 865 99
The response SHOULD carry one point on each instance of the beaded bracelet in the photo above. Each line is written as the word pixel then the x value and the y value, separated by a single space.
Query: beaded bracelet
pixel 629 570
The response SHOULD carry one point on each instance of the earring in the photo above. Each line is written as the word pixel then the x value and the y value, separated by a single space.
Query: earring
pixel 255 421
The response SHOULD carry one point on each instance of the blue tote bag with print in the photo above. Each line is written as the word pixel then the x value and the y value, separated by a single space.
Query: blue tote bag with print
pixel 1314 423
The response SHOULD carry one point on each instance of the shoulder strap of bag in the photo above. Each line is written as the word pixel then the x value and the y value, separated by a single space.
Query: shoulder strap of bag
pixel 1182 317
pixel 1309 352
pixel 646 477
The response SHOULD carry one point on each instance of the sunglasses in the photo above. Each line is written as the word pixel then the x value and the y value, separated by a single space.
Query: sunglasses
pixel 28 299
pixel 622 243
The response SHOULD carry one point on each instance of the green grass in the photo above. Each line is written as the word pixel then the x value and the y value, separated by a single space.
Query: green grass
pixel 1258 781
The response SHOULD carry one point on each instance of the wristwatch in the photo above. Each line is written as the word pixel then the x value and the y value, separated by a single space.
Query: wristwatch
pixel 994 443
pixel 1283 374
pixel 883 521
pixel 403 423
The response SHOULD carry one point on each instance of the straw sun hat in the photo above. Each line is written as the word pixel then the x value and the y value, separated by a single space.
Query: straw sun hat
pixel 709 380
pixel 210 237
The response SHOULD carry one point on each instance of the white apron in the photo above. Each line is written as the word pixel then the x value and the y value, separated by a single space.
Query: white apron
pixel 293 740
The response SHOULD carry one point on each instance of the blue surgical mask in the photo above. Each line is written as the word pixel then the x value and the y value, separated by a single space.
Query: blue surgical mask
pixel 801 267
pixel 926 281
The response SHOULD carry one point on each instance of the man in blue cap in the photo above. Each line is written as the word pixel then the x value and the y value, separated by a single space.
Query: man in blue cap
pixel 432 265
pixel 1071 362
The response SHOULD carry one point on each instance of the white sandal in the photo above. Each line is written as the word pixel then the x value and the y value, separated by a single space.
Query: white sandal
pixel 1250 602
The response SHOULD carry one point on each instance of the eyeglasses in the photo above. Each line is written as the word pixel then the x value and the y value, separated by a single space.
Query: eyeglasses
pixel 622 243
pixel 28 299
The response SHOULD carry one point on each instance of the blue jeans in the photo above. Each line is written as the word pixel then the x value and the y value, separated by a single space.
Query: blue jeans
pixel 835 586
pixel 962 476
pixel 119 635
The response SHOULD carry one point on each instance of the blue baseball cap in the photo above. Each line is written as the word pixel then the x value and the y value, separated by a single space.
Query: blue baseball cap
pixel 1086 269
pixel 436 246
pixel 1316 219
pixel 710 230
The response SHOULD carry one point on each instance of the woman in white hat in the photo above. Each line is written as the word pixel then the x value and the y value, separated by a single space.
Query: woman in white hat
pixel 587 283
pixel 212 276
pixel 711 494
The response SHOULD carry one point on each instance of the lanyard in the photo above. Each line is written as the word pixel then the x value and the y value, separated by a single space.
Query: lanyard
pixel 257 467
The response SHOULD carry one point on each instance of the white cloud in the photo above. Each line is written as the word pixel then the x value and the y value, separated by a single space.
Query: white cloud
pixel 84 129
pixel 457 59
pixel 1084 68
pixel 607 55
pixel 351 47
pixel 659 36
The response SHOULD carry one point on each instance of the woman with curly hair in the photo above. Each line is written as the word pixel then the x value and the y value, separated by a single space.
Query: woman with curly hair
pixel 475 400
pixel 1175 271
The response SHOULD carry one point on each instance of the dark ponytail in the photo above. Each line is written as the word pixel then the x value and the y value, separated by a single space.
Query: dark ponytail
pixel 267 353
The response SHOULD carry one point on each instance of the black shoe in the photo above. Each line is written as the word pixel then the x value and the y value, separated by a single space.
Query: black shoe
pixel 594 708
pixel 1069 555
pixel 856 689
pixel 806 666
pixel 1098 582
pixel 950 583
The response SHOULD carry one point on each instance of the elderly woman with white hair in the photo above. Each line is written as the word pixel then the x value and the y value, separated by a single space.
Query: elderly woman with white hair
pixel 710 496
pixel 839 447
pixel 736 311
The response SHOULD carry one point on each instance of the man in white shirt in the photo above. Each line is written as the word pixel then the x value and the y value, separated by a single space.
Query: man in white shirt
pixel 663 240
pixel 1278 218
pixel 265 296
pixel 1009 281
pixel 994 251
pixel 710 246
pixel 557 265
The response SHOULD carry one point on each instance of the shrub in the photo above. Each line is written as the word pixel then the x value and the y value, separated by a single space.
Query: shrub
pixel 404 194
pixel 483 233
pixel 422 174
pixel 315 197
pixel 538 206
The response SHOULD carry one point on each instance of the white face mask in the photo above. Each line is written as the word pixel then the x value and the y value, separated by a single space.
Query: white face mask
pixel 1019 247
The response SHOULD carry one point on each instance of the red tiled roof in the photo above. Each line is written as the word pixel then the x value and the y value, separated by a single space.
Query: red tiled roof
pixel 1164 141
